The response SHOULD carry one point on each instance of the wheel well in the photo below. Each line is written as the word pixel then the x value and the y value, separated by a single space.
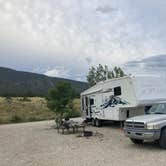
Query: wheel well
pixel 88 119
pixel 164 127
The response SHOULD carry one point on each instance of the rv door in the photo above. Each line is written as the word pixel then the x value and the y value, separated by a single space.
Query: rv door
pixel 89 102
pixel 92 105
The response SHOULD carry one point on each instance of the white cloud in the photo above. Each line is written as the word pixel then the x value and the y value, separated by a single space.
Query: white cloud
pixel 75 34
pixel 57 72
pixel 155 65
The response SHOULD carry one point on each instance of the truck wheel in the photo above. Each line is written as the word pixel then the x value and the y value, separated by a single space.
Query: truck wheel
pixel 122 124
pixel 98 122
pixel 162 140
pixel 136 141
pixel 93 122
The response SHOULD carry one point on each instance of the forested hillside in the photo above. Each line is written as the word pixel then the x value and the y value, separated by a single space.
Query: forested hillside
pixel 18 83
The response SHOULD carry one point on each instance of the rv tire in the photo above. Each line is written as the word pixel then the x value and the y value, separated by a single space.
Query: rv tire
pixel 93 122
pixel 98 122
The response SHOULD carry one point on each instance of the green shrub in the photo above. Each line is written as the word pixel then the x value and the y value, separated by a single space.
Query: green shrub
pixel 59 99
pixel 72 114
pixel 32 119
pixel 1 121
pixel 25 99
pixel 16 119
pixel 8 99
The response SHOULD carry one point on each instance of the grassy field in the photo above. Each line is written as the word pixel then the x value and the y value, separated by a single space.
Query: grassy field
pixel 19 109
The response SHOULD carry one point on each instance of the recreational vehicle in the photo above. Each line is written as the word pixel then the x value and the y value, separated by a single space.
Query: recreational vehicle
pixel 121 98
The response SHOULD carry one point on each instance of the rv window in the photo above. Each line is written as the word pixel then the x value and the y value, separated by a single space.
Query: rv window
pixel 91 101
pixel 117 91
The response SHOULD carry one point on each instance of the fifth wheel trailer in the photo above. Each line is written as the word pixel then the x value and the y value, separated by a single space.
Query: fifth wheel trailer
pixel 121 98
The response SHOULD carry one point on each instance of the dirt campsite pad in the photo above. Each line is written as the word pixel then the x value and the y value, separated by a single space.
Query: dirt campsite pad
pixel 39 144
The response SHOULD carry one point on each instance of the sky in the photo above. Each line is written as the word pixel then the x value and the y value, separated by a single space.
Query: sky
pixel 64 38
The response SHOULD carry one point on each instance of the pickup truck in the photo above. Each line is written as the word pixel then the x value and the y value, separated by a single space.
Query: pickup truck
pixel 151 127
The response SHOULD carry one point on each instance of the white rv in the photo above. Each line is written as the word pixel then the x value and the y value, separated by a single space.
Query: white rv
pixel 121 98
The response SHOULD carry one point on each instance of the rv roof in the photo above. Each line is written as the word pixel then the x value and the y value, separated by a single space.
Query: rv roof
pixel 99 86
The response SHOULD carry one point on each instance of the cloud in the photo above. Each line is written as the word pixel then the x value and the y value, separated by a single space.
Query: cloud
pixel 88 60
pixel 57 72
pixel 155 65
pixel 105 9
pixel 75 34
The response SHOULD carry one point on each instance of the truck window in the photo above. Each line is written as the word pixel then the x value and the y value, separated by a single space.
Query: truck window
pixel 117 91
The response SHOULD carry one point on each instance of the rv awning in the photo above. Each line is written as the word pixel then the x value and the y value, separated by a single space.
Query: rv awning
pixel 90 91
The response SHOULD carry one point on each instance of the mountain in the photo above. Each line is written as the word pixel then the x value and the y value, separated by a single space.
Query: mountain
pixel 19 83
pixel 151 65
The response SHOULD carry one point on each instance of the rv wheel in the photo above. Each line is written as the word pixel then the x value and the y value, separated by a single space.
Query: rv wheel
pixel 93 122
pixel 98 122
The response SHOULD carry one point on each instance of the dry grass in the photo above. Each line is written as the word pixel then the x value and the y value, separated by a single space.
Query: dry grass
pixel 19 109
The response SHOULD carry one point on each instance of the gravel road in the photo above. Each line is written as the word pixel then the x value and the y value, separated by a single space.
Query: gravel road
pixel 38 144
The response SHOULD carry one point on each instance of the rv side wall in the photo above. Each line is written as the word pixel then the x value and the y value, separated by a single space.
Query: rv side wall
pixel 149 90
pixel 101 94
pixel 126 113
pixel 137 111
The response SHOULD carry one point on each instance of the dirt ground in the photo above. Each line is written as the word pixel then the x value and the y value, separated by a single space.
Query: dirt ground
pixel 39 144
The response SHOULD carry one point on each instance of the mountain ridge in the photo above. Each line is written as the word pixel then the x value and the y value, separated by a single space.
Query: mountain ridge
pixel 22 83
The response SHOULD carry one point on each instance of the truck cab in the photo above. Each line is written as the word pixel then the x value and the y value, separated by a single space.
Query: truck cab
pixel 151 127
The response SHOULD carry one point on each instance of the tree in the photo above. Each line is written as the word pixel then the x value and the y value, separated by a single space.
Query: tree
pixel 118 72
pixel 59 99
pixel 101 73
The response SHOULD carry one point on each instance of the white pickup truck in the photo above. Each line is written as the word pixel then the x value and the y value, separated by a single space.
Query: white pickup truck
pixel 151 127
